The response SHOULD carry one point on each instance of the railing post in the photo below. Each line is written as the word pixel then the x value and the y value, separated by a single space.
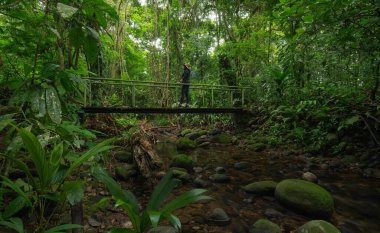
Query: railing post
pixel 133 95
pixel 203 98
pixel 242 97
pixel 232 98
pixel 212 97
pixel 85 93
pixel 90 93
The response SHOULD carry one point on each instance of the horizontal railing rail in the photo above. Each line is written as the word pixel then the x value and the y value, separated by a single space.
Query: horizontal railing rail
pixel 131 88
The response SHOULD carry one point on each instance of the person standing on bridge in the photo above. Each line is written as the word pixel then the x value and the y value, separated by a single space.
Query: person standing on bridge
pixel 185 85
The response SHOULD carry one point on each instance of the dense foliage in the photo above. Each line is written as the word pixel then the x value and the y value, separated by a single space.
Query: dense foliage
pixel 312 66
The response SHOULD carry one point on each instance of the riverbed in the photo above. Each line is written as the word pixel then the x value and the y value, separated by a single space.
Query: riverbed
pixel 357 205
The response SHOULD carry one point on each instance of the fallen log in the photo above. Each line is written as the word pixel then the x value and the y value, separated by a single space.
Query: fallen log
pixel 143 151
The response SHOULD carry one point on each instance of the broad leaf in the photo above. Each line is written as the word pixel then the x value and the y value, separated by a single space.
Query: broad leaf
pixel 15 224
pixel 63 228
pixel 14 207
pixel 53 105
pixel 74 191
pixel 101 147
pixel 121 230
pixel 66 11
pixel 185 199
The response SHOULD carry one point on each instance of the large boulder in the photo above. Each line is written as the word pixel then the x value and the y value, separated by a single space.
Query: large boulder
pixel 261 187
pixel 317 226
pixel 182 161
pixel 306 197
pixel 185 144
pixel 265 226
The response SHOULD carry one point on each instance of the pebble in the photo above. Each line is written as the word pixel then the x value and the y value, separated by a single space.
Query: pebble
pixel 93 222
pixel 308 176
pixel 220 170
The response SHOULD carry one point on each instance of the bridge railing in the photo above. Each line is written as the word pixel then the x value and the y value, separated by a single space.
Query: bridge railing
pixel 133 93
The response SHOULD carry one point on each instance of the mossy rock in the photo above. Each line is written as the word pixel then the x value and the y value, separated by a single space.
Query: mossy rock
pixel 258 146
pixel 182 161
pixel 185 144
pixel 306 197
pixel 261 187
pixel 124 156
pixel 193 135
pixel 223 138
pixel 220 178
pixel 265 226
pixel 185 132
pixel 202 132
pixel 126 171
pixel 317 226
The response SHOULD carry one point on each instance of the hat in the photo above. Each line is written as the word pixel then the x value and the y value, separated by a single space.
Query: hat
pixel 186 65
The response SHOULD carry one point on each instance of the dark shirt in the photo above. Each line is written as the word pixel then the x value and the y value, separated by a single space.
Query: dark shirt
pixel 186 76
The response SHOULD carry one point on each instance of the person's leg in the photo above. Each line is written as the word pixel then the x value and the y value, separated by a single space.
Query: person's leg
pixel 187 94
pixel 182 95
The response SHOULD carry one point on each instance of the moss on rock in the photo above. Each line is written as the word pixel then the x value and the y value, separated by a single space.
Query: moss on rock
pixel 317 226
pixel 185 144
pixel 261 187
pixel 223 138
pixel 182 161
pixel 265 226
pixel 306 197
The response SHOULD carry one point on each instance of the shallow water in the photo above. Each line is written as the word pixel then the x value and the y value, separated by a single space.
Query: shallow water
pixel 357 205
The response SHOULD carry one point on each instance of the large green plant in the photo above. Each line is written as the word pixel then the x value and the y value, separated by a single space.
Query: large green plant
pixel 156 210
pixel 50 181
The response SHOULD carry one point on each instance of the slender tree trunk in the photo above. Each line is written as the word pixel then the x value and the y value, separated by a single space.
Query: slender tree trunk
pixel 377 81
pixel 270 40
pixel 166 95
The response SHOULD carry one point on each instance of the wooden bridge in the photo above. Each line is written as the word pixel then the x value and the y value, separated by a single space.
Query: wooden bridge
pixel 132 96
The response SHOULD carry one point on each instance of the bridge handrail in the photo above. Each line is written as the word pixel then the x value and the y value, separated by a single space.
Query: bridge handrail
pixel 230 88
pixel 164 83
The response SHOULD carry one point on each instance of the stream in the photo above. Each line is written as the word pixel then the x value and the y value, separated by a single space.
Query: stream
pixel 357 205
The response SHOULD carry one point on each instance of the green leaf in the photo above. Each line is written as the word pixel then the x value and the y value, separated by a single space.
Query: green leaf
pixel 90 45
pixel 56 155
pixel 162 190
pixel 174 221
pixel 154 217
pixel 74 191
pixel 101 147
pixel 36 152
pixel 185 199
pixel 21 165
pixel 66 11
pixel 351 120
pixel 124 198
pixel 6 181
pixel 14 207
pixel 308 19
pixel 4 123
pixel 53 105
pixel 15 224
pixel 76 36
pixel 121 230
pixel 63 228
